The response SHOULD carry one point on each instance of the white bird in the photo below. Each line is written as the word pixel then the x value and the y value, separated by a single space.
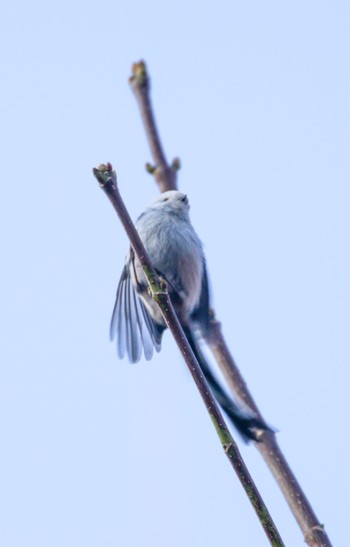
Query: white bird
pixel 177 255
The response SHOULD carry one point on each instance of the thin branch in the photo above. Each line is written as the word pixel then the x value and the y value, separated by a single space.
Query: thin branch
pixel 165 175
pixel 313 531
pixel 107 179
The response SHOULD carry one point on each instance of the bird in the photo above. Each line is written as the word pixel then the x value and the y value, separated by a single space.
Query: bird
pixel 178 257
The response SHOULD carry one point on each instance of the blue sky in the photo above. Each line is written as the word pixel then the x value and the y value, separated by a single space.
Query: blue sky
pixel 254 98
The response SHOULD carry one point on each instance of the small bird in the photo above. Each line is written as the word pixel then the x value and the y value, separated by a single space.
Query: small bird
pixel 177 255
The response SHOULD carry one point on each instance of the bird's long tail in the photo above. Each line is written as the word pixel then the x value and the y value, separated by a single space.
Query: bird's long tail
pixel 248 424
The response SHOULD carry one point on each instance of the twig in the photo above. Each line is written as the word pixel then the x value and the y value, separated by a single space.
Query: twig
pixel 313 531
pixel 165 175
pixel 107 179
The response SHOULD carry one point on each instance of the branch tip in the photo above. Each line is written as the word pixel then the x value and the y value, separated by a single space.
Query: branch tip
pixel 139 76
pixel 104 174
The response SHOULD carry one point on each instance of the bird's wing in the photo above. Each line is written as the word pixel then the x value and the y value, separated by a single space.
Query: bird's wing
pixel 131 324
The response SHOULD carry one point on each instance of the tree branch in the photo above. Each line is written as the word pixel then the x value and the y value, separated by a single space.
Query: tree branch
pixel 165 175
pixel 313 531
pixel 107 179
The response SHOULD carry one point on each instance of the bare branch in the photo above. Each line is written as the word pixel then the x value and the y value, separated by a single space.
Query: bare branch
pixel 165 175
pixel 313 531
pixel 107 179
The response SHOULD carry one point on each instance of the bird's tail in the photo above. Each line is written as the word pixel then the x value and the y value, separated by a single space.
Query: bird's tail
pixel 246 421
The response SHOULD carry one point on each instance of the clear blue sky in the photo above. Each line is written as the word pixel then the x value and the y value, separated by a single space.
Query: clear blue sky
pixel 254 98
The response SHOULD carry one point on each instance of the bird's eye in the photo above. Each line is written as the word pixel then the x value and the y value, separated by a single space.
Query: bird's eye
pixel 166 199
